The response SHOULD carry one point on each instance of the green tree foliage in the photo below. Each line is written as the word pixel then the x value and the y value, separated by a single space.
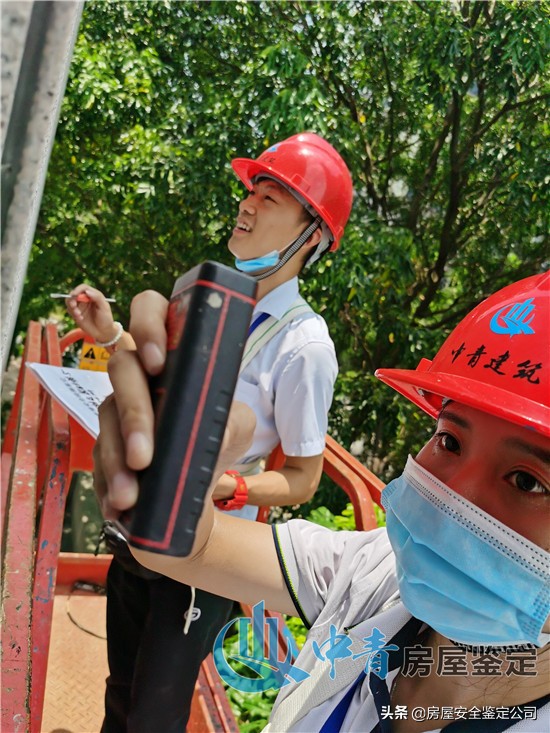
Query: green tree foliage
pixel 438 109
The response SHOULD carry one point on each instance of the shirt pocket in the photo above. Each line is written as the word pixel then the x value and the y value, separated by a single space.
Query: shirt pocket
pixel 248 393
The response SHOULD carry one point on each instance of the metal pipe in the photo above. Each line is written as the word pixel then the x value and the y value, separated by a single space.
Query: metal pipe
pixel 34 76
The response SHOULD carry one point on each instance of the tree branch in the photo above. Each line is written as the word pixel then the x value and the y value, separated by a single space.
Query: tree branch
pixel 422 6
pixel 508 107
pixel 447 238
pixel 429 172
pixel 344 94
pixel 471 142
pixel 470 12
pixel 391 129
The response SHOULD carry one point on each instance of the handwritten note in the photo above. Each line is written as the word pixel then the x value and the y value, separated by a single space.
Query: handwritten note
pixel 78 391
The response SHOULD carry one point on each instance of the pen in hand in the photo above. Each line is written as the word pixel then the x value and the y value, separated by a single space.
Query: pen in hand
pixel 81 298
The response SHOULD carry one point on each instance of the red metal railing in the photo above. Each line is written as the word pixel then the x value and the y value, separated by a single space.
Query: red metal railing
pixel 42 448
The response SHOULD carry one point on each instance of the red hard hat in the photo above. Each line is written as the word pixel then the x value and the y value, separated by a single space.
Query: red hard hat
pixel 312 167
pixel 496 360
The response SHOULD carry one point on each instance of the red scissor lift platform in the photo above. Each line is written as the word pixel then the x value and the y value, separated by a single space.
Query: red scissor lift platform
pixel 53 672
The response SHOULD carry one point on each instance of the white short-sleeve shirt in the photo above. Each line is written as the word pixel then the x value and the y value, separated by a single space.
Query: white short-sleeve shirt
pixel 347 580
pixel 289 383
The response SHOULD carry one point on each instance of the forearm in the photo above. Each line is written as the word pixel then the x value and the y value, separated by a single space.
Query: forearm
pixel 238 560
pixel 125 342
pixel 185 565
pixel 295 483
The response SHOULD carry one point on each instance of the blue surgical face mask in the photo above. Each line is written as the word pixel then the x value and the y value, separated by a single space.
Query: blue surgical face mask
pixel 258 263
pixel 468 576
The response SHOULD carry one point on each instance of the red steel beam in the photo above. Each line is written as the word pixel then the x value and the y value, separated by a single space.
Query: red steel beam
pixel 18 558
pixel 55 438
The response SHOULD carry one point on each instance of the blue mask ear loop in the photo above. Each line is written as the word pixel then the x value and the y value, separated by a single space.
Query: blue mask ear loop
pixel 291 251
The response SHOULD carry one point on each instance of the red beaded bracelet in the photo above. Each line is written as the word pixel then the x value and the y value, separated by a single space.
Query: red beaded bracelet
pixel 240 496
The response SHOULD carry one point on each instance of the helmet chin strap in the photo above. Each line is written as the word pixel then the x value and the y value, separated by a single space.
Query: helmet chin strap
pixel 291 251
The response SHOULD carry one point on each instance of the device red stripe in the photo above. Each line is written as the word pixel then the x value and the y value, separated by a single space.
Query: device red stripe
pixel 165 542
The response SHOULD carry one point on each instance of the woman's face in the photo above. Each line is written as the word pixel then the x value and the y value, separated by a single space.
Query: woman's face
pixel 502 468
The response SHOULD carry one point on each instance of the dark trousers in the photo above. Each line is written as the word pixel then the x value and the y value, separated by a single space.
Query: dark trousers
pixel 153 666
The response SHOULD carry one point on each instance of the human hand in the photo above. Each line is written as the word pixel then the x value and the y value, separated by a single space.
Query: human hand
pixel 126 439
pixel 94 316
pixel 125 443
pixel 115 457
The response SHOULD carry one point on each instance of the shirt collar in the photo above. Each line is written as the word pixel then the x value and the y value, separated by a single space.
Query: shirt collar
pixel 278 300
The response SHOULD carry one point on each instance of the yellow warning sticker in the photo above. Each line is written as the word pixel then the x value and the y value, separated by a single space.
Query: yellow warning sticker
pixel 94 357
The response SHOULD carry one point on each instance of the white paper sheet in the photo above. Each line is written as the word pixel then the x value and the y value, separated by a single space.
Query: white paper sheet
pixel 79 391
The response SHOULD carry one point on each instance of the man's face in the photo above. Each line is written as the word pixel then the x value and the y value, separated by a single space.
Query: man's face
pixel 502 468
pixel 269 218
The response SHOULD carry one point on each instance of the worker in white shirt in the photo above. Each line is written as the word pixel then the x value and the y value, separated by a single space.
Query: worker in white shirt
pixel 298 202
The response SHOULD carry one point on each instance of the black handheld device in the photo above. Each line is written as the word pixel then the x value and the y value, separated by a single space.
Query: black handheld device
pixel 207 326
